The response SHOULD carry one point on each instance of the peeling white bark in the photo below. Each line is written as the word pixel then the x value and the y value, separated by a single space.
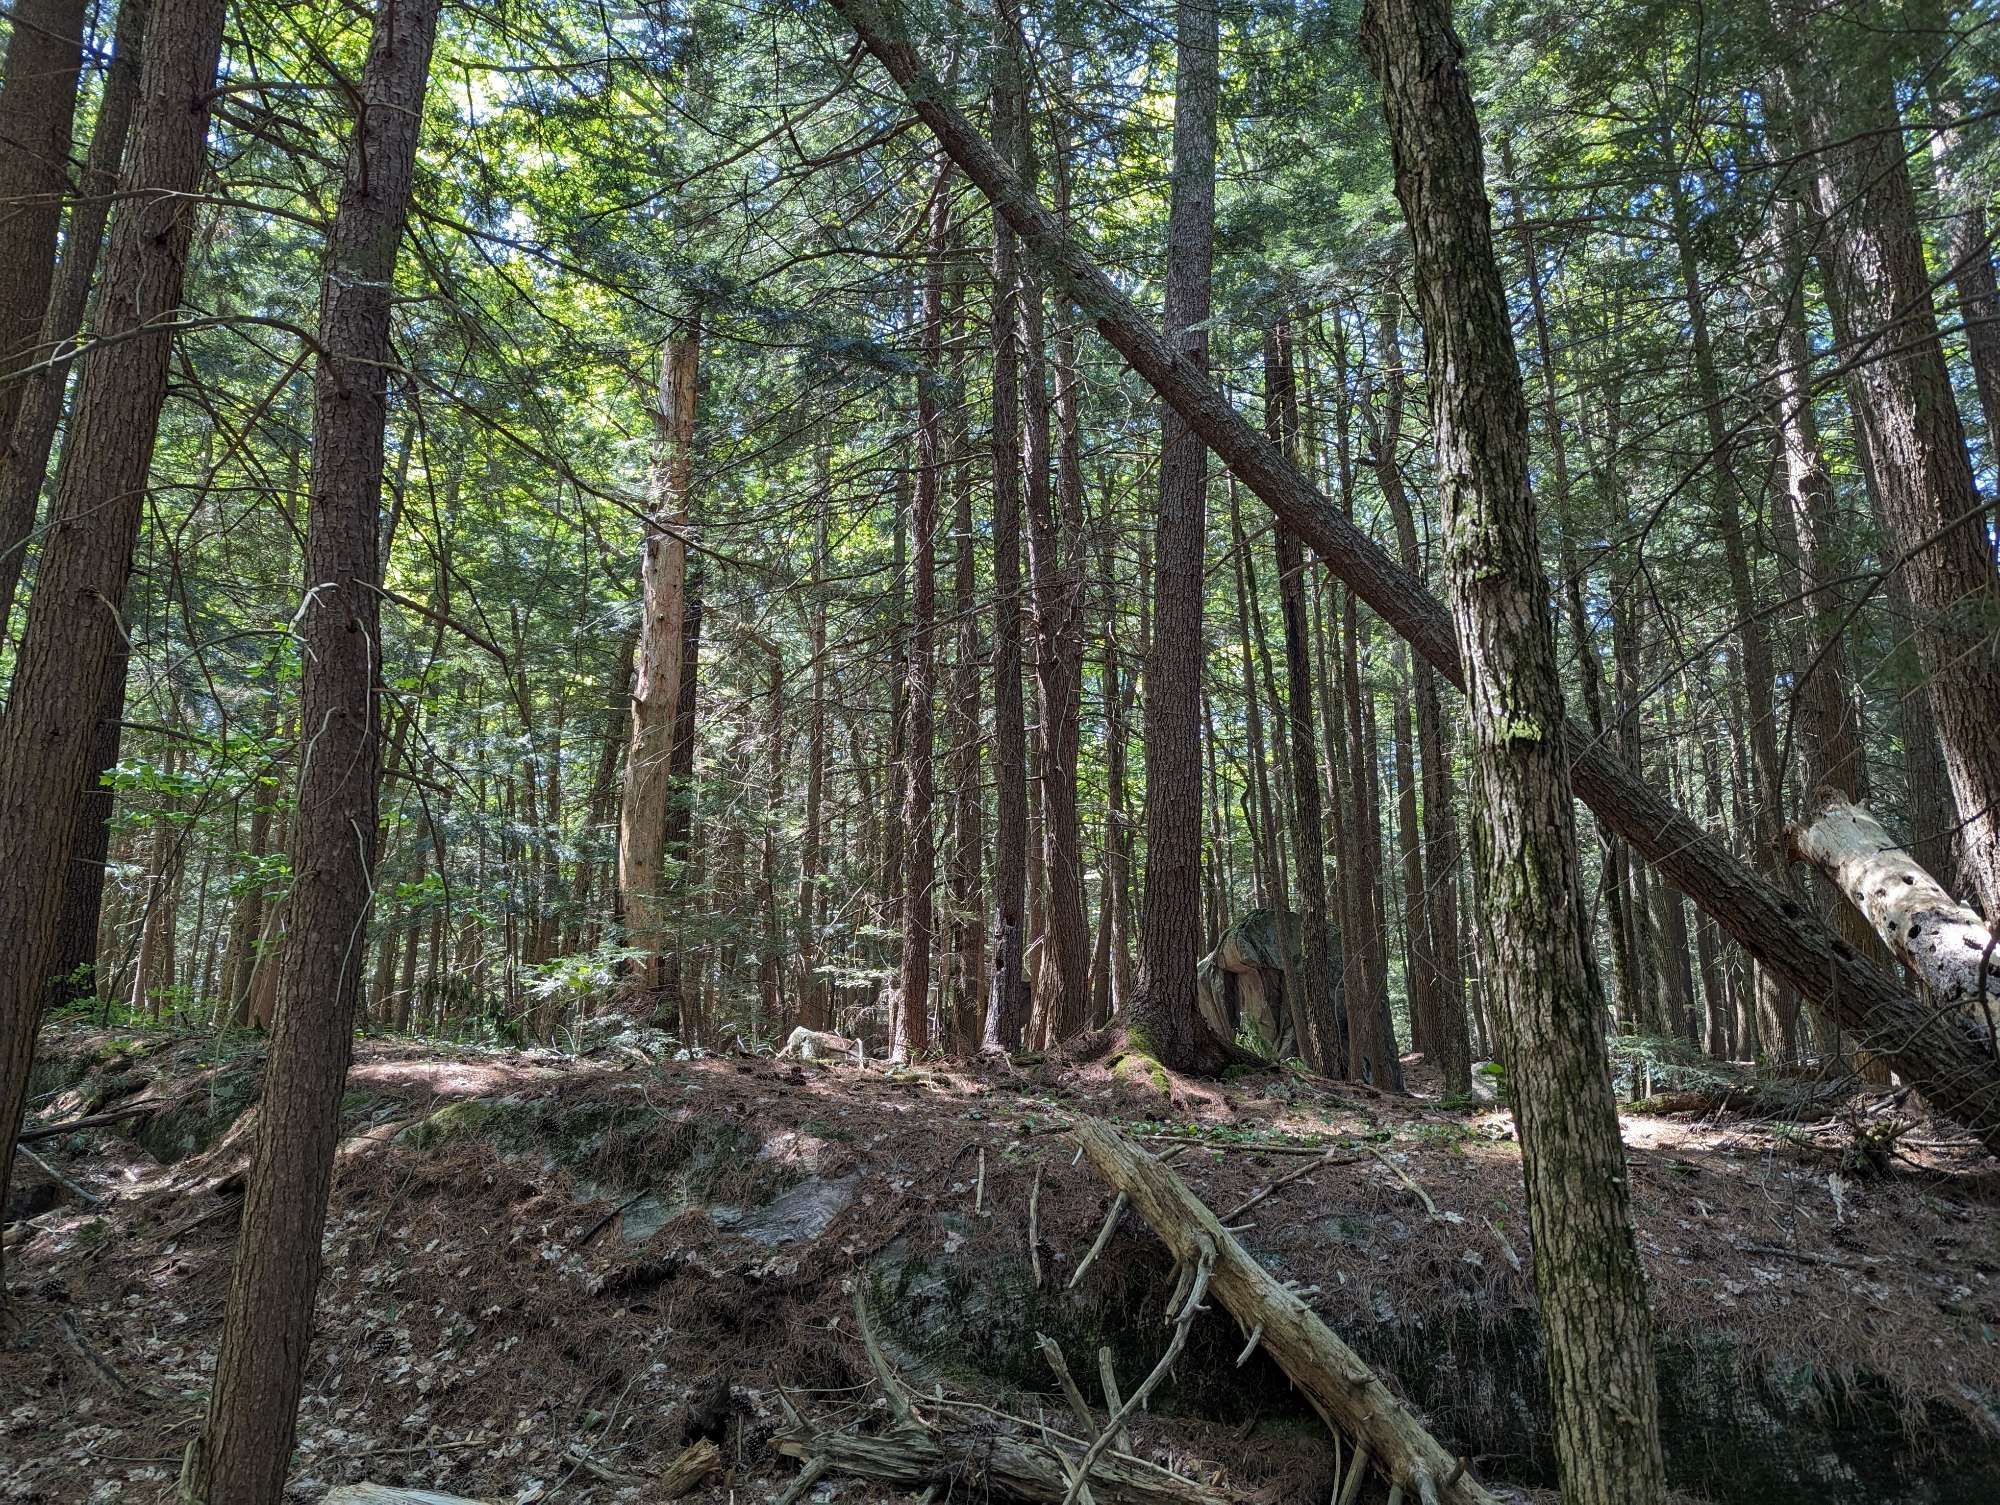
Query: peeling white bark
pixel 1944 942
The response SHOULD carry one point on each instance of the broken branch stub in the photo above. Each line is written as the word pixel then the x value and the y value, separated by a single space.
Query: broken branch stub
pixel 1342 1388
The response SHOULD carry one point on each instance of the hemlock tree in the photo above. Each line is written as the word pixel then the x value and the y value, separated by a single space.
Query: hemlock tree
pixel 245 1447
pixel 1589 1284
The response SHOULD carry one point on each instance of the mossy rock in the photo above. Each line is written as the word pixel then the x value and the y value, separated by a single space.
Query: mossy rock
pixel 200 1119
pixel 1137 1069
pixel 606 1144
pixel 56 1072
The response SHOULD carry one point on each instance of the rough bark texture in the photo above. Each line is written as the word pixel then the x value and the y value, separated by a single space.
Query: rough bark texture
pixel 1315 1014
pixel 1433 922
pixel 911 1026
pixel 245 1449
pixel 24 455
pixel 74 645
pixel 1946 944
pixel 37 115
pixel 1339 1384
pixel 1007 1000
pixel 1590 1286
pixel 1947 1062
pixel 1165 1021
pixel 1843 112
pixel 1968 255
pixel 656 686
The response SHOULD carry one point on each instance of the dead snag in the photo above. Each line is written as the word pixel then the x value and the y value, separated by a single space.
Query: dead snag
pixel 1343 1389
pixel 1944 942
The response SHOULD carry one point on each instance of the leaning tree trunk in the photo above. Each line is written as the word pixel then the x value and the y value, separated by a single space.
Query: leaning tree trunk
pixel 1950 949
pixel 1950 1064
pixel 1590 1286
pixel 244 1451
pixel 73 649
pixel 656 688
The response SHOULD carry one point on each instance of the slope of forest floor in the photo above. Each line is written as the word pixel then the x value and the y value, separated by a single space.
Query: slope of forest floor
pixel 547 1272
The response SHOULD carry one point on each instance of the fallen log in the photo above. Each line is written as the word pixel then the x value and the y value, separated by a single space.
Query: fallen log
pixel 1945 943
pixel 89 1121
pixel 1945 1059
pixel 1013 1465
pixel 385 1494
pixel 1342 1388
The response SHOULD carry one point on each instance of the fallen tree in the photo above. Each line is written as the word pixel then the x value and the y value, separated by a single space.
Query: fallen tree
pixel 1950 949
pixel 1946 1059
pixel 1348 1395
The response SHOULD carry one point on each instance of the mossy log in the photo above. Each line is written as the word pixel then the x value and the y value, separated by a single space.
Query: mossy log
pixel 1339 1384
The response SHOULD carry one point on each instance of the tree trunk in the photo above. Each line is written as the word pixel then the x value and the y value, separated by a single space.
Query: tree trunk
pixel 1165 1021
pixel 1968 254
pixel 911 1027
pixel 245 1449
pixel 1007 1003
pixel 1434 923
pixel 962 718
pixel 73 651
pixel 24 455
pixel 1590 1286
pixel 1319 1015
pixel 37 117
pixel 656 687
pixel 1949 1064
pixel 1844 108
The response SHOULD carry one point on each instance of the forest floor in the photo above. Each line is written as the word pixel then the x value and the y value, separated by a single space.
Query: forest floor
pixel 546 1273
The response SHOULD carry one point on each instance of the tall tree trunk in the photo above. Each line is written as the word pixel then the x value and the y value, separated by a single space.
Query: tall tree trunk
pixel 656 687
pixel 37 117
pixel 1007 1004
pixel 1319 1015
pixel 911 1027
pixel 1590 1285
pixel 681 799
pixel 24 455
pixel 962 720
pixel 245 1449
pixel 1753 644
pixel 1433 922
pixel 1165 1021
pixel 1968 255
pixel 1056 556
pixel 73 651
pixel 815 997
pixel 1843 111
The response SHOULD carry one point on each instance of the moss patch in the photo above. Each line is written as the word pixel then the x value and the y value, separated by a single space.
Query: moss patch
pixel 201 1118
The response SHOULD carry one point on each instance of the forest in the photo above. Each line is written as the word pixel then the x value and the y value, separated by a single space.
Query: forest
pixel 1211 752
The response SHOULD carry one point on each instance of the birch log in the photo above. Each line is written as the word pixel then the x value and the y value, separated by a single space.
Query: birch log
pixel 1945 943
pixel 1342 1388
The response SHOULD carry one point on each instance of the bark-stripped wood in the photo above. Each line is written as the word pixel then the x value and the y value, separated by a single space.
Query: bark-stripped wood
pixel 1945 943
pixel 1340 1386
